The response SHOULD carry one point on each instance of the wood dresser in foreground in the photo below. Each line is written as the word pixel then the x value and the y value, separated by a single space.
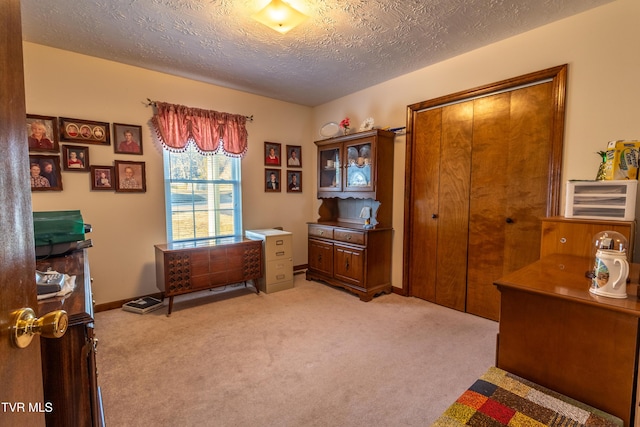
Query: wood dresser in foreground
pixel 554 332
pixel 191 266
pixel 69 363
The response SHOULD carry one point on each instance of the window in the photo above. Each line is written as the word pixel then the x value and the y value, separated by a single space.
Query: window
pixel 202 195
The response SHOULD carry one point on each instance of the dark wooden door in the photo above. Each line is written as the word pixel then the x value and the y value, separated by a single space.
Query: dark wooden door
pixel 441 192
pixel 453 209
pixel 509 189
pixel 425 202
pixel 481 173
pixel 21 373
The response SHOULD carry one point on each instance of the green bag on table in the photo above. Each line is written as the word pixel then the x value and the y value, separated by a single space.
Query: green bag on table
pixel 55 227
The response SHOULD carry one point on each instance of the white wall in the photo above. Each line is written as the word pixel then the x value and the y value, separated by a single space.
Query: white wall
pixel 128 225
pixel 600 46
pixel 603 96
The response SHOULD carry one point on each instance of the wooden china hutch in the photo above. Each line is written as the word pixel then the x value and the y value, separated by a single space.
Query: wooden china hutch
pixel 350 244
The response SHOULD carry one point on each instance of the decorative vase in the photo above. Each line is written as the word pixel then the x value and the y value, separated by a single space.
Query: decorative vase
pixel 345 131
pixel 602 169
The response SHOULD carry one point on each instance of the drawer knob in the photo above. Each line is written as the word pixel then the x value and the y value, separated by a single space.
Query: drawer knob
pixel 563 240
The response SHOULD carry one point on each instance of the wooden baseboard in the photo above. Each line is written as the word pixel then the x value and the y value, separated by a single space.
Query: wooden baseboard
pixel 118 304
pixel 399 291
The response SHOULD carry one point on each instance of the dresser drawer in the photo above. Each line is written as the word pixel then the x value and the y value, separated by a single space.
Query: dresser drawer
pixel 349 236
pixel 321 231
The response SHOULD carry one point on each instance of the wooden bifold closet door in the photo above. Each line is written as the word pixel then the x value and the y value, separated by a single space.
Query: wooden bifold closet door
pixel 482 173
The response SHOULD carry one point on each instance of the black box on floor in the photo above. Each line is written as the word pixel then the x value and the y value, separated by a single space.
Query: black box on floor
pixel 142 305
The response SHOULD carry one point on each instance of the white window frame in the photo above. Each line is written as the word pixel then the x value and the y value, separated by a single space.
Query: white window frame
pixel 211 208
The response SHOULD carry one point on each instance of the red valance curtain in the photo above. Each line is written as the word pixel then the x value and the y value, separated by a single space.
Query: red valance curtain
pixel 211 131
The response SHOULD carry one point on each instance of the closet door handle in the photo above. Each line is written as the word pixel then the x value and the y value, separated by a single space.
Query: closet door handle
pixel 509 221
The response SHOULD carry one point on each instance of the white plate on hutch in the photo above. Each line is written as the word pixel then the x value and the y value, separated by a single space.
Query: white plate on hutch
pixel 329 130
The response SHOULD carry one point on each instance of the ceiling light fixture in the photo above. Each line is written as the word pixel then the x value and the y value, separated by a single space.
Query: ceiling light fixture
pixel 280 16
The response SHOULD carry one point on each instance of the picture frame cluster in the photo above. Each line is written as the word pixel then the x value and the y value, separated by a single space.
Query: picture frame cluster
pixel 49 154
pixel 273 163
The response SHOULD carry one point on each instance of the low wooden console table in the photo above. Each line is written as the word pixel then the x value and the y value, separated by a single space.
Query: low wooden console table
pixel 196 265
pixel 554 332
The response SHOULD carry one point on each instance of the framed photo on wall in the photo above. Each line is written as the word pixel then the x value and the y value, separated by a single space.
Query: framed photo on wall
pixel 130 177
pixel 272 180
pixel 127 139
pixel 45 173
pixel 84 131
pixel 272 154
pixel 294 181
pixel 43 133
pixel 102 178
pixel 75 158
pixel 294 156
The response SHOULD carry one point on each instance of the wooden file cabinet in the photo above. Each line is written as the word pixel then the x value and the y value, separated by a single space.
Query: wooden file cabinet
pixel 278 259
pixel 192 266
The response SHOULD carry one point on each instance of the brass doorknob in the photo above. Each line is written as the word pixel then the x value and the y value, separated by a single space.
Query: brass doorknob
pixel 26 325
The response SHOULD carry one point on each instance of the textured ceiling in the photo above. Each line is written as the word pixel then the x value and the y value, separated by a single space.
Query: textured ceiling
pixel 345 45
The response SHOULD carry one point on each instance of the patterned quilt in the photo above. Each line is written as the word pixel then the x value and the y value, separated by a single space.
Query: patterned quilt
pixel 500 398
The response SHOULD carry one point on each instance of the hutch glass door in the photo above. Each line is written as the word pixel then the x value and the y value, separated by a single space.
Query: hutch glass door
pixel 330 159
pixel 359 167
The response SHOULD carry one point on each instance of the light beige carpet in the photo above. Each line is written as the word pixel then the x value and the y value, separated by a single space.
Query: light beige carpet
pixel 313 355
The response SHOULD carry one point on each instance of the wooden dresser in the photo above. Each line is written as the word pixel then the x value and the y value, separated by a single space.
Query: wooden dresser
pixel 69 363
pixel 185 267
pixel 554 332
pixel 355 259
